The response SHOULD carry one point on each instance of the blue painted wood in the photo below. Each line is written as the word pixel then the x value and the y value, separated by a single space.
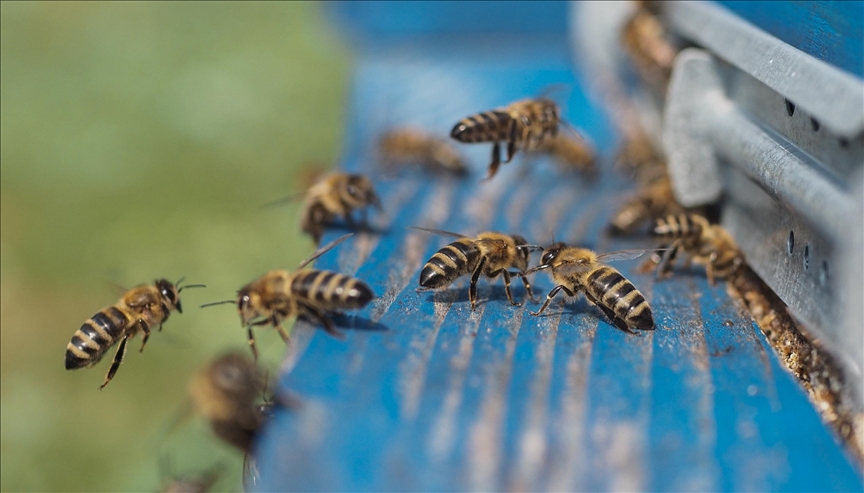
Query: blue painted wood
pixel 830 31
pixel 384 19
pixel 425 395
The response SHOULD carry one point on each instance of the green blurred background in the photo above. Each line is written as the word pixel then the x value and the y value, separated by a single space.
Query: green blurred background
pixel 138 141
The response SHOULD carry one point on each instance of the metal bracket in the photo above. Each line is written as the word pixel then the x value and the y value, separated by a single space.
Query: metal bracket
pixel 780 135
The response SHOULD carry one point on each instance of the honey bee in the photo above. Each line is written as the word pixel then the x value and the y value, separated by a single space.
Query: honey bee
pixel 706 244
pixel 579 269
pixel 488 253
pixel 572 152
pixel 411 145
pixel 646 43
pixel 649 203
pixel 230 394
pixel 638 156
pixel 311 293
pixel 524 125
pixel 337 194
pixel 140 309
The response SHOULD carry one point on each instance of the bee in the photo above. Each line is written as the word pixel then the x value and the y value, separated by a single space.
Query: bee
pixel 488 253
pixel 311 293
pixel 337 194
pixel 579 269
pixel 638 156
pixel 648 204
pixel 706 244
pixel 524 125
pixel 646 43
pixel 571 152
pixel 230 394
pixel 140 309
pixel 411 145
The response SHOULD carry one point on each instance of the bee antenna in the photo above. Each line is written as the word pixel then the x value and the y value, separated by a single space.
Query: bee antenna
pixel 530 248
pixel 537 269
pixel 223 302
pixel 179 281
pixel 192 286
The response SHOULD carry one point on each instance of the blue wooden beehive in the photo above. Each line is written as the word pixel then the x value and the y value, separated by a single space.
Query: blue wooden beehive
pixel 426 395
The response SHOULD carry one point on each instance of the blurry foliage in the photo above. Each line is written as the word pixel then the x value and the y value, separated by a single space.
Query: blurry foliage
pixel 138 141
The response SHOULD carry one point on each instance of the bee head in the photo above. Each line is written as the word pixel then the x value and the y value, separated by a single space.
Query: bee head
pixel 169 293
pixel 522 254
pixel 361 191
pixel 550 110
pixel 249 305
pixel 551 253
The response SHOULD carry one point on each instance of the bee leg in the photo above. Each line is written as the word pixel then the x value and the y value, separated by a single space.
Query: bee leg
pixel 665 265
pixel 496 160
pixel 118 358
pixel 527 286
pixel 506 275
pixel 326 323
pixel 550 296
pixel 616 321
pixel 146 329
pixel 511 141
pixel 349 219
pixel 252 345
pixel 472 288
pixel 709 268
pixel 276 322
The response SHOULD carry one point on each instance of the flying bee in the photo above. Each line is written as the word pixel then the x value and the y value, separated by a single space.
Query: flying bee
pixel 704 243
pixel 646 43
pixel 230 393
pixel 414 146
pixel 311 293
pixel 651 202
pixel 337 194
pixel 488 253
pixel 572 152
pixel 579 269
pixel 140 309
pixel 524 125
pixel 639 157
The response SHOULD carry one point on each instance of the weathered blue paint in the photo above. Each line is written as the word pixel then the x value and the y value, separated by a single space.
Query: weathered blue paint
pixel 426 395
pixel 829 31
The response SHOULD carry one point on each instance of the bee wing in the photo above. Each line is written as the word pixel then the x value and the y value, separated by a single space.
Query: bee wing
pixel 321 251
pixel 501 243
pixel 439 232
pixel 623 255
pixel 569 268
pixel 554 91
pixel 251 475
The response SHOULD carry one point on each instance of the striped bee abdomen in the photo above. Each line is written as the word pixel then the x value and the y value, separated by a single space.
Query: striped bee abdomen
pixel 449 263
pixel 616 293
pixel 678 226
pixel 329 290
pixel 489 126
pixel 94 337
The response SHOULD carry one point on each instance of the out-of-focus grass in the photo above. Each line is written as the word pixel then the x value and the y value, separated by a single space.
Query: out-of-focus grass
pixel 138 141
